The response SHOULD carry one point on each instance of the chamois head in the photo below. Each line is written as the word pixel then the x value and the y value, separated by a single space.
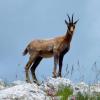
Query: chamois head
pixel 71 24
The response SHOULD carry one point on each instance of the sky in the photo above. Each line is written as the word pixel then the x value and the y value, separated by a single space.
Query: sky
pixel 21 21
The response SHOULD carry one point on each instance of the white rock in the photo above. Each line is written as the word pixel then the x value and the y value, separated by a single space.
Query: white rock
pixel 23 92
pixel 81 87
pixel 56 82
pixel 18 82
pixel 2 84
pixel 95 87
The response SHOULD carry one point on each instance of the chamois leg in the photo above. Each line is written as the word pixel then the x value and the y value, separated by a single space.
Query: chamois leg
pixel 27 70
pixel 60 65
pixel 55 66
pixel 33 68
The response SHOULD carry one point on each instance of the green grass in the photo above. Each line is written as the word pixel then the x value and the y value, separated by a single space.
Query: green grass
pixel 80 96
pixel 64 92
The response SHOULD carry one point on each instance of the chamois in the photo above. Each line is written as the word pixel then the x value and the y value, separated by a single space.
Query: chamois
pixel 57 48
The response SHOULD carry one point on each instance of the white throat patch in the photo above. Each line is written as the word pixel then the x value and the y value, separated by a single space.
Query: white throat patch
pixel 71 29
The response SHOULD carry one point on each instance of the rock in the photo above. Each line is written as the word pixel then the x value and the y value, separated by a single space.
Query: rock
pixel 20 90
pixel 25 91
pixel 2 84
pixel 95 88
pixel 18 82
pixel 56 82
pixel 80 87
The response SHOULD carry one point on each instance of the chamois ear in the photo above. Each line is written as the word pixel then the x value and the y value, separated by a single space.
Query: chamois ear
pixel 76 21
pixel 66 22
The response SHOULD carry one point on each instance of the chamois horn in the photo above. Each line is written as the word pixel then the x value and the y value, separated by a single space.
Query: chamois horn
pixel 72 17
pixel 68 18
pixel 76 21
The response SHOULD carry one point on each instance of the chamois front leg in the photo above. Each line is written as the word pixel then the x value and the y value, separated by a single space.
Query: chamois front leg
pixel 60 65
pixel 55 66
pixel 27 70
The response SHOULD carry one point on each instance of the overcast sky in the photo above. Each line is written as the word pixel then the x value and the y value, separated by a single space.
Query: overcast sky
pixel 24 20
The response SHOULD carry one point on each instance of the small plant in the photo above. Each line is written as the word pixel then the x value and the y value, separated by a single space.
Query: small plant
pixel 64 92
pixel 80 96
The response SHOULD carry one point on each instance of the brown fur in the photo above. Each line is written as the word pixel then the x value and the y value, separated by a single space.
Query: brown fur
pixel 56 48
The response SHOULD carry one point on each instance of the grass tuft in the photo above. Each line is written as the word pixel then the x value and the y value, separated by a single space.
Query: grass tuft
pixel 64 92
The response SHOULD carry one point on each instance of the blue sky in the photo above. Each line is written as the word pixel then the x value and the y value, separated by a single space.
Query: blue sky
pixel 24 20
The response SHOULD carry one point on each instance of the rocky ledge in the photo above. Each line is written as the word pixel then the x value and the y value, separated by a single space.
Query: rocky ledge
pixel 20 90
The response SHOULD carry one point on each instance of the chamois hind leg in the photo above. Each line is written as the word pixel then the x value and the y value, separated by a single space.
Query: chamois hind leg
pixel 34 66
pixel 55 66
pixel 60 65
pixel 27 69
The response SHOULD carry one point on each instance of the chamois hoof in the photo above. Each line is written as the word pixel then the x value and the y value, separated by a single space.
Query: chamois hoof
pixel 59 75
pixel 54 75
pixel 28 81
pixel 36 82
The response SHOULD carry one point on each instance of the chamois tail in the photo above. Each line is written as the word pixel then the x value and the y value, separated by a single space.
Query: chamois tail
pixel 25 52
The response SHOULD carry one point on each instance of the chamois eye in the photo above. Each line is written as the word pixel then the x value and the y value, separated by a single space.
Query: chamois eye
pixel 68 27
